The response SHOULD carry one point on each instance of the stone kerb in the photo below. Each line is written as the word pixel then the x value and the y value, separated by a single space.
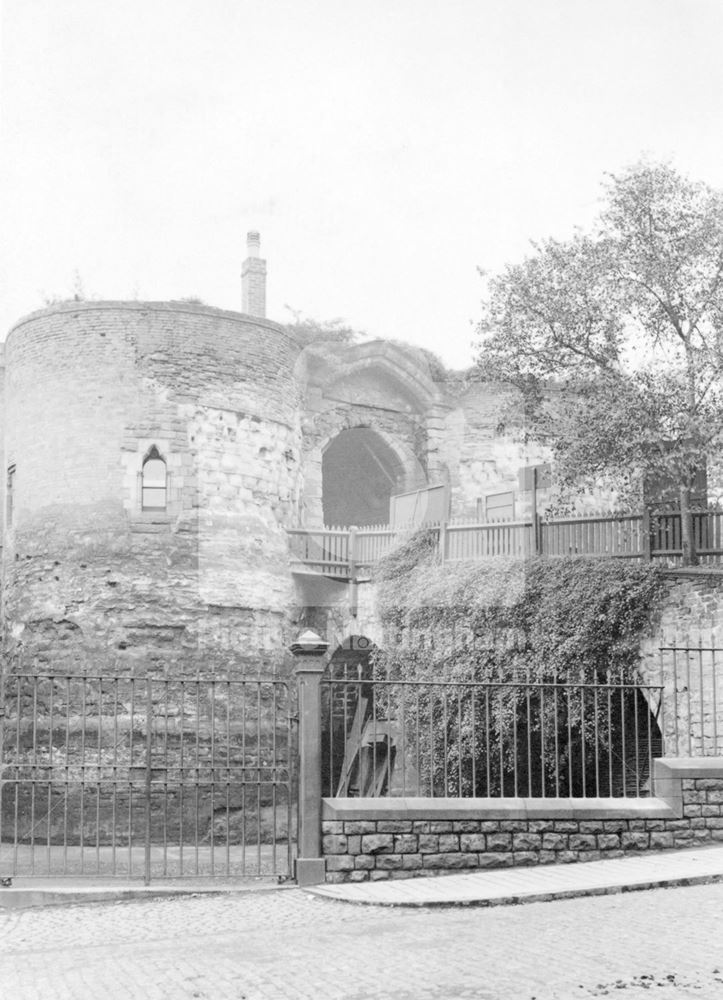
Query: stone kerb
pixel 372 839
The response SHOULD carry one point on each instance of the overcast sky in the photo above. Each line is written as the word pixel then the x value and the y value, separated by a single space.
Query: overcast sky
pixel 385 149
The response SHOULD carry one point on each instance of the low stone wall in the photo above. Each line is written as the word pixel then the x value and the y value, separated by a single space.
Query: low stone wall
pixel 372 839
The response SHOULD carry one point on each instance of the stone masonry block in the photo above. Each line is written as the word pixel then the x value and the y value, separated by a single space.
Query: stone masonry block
pixel 333 844
pixel 526 842
pixel 332 826
pixel 472 842
pixel 360 826
pixel 377 843
pixel 493 859
pixel 695 798
pixel 566 857
pixel 451 861
pixel 582 842
pixel 339 863
pixel 406 843
pixel 499 841
pixel 684 838
pixel 389 862
pixel 554 841
pixel 394 826
pixel 428 843
pixel 525 857
pixel 661 840
pixel 635 840
pixel 364 861
pixel 449 842
pixel 412 861
pixel 608 841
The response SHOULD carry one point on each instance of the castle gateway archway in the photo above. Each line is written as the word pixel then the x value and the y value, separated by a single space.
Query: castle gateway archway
pixel 359 473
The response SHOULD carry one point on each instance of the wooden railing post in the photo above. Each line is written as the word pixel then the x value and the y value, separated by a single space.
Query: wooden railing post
pixel 352 552
pixel 645 529
pixel 536 526
pixel 310 650
pixel 443 540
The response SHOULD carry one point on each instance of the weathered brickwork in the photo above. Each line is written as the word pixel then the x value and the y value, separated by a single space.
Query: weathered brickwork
pixel 372 849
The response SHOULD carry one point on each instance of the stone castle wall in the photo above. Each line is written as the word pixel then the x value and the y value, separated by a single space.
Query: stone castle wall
pixel 89 575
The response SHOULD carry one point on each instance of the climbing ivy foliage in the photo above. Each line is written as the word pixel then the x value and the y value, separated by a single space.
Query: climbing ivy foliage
pixel 551 619
pixel 532 633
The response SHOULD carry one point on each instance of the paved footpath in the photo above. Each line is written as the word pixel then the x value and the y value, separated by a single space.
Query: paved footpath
pixel 663 943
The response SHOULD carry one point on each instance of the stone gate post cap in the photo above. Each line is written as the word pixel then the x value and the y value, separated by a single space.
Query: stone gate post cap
pixel 309 643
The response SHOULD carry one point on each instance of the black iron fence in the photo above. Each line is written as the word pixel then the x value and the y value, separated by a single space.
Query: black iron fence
pixel 160 777
pixel 494 739
pixel 692 679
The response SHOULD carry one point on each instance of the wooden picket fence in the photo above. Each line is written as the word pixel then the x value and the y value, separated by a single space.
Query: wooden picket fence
pixel 351 552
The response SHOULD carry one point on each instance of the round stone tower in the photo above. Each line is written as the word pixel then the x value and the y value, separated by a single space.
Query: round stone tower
pixel 152 463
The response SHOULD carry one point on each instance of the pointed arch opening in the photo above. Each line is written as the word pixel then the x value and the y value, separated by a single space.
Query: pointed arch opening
pixel 359 473
pixel 154 481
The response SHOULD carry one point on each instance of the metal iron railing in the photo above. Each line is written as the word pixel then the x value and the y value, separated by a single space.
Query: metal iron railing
pixel 145 776
pixel 492 739
pixel 692 678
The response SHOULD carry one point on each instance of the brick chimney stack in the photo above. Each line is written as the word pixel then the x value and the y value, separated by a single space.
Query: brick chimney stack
pixel 253 278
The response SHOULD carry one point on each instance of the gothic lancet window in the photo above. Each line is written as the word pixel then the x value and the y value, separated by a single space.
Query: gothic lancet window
pixel 153 481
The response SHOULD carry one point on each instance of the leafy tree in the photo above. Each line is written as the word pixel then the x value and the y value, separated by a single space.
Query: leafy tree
pixel 614 337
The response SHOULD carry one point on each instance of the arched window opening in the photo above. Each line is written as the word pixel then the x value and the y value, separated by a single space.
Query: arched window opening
pixel 359 473
pixel 153 481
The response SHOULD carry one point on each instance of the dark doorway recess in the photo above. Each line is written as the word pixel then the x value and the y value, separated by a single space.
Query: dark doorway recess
pixel 359 473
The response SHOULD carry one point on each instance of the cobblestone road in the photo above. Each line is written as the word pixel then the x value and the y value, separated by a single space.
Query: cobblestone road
pixel 665 944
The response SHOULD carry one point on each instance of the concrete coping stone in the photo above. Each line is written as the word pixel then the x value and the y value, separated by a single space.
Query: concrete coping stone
pixel 668 772
pixel 495 809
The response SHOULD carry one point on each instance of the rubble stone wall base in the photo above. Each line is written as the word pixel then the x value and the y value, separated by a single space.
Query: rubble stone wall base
pixel 373 839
